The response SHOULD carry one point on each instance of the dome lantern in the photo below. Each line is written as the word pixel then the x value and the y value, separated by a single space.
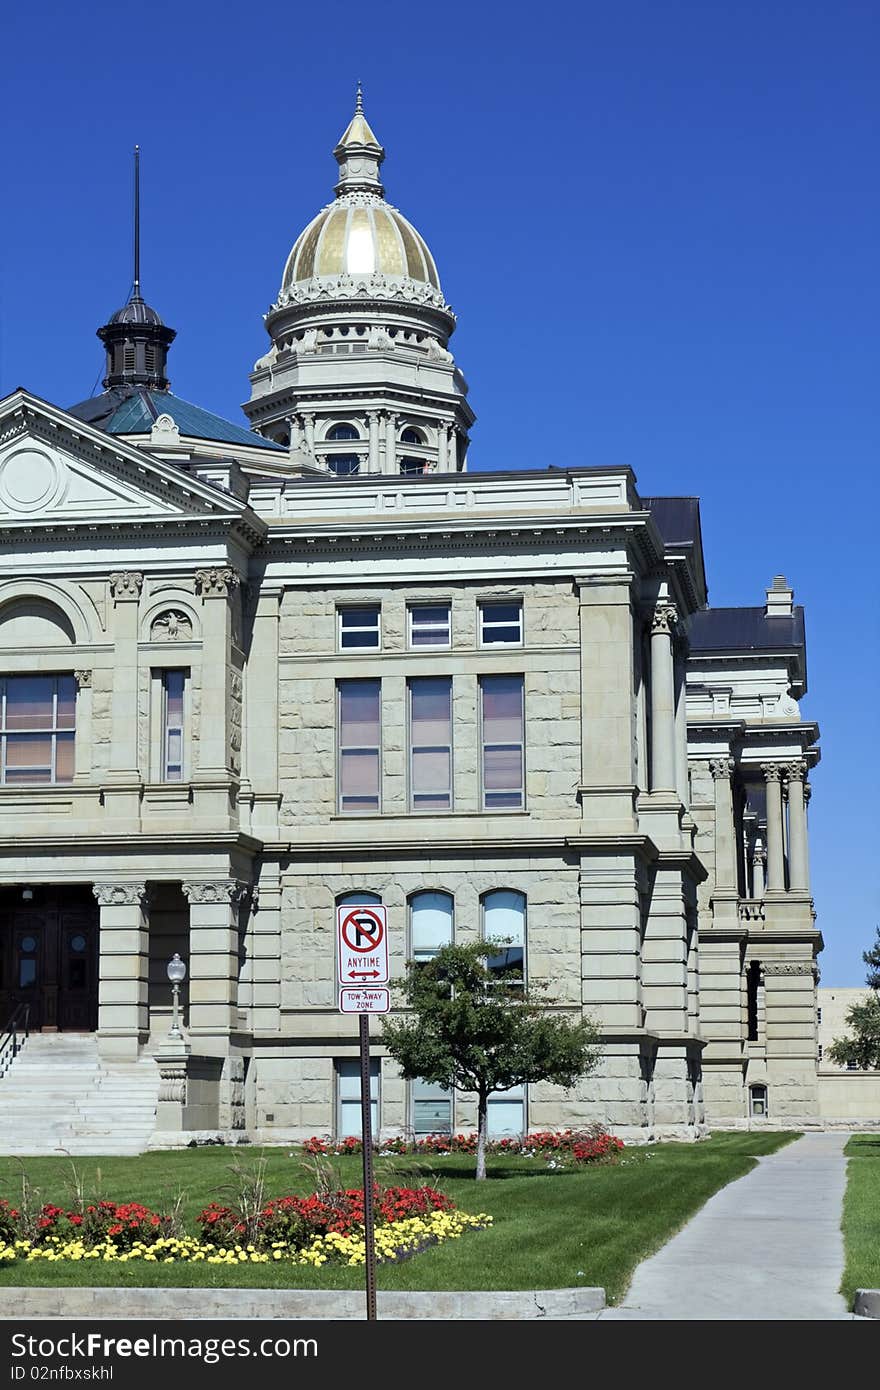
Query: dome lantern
pixel 359 155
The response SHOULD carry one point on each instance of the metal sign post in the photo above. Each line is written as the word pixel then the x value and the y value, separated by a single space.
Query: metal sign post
pixel 361 973
pixel 367 1131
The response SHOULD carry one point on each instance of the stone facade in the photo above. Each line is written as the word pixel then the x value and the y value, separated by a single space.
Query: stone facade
pixel 198 588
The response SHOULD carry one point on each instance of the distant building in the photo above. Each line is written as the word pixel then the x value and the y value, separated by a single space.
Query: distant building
pixel 251 674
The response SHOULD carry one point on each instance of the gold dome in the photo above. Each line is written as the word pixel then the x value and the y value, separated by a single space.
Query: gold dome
pixel 360 240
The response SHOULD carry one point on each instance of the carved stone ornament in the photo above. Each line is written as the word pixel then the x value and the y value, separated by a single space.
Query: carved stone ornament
pixel 126 584
pixel 792 967
pixel 120 894
pixel 796 770
pixel 664 618
pixel 221 890
pixel 721 767
pixel 172 1081
pixel 216 582
pixel 83 679
pixel 171 626
pixel 772 771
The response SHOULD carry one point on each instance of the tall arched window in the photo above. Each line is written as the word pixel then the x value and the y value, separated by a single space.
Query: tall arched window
pixel 430 924
pixel 504 919
pixel 343 431
pixel 411 436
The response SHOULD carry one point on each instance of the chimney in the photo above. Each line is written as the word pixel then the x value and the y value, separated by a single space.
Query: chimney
pixel 780 598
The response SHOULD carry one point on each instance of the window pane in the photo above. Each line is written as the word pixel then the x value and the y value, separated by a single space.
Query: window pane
pixel 360 778
pixel 359 627
pixel 349 1082
pixel 64 760
pixel 501 622
pixel 502 768
pixel 431 709
pixel 344 464
pixel 66 702
pixel 174 682
pixel 431 1108
pixel 431 921
pixel 359 713
pixel 431 773
pixel 504 916
pixel 29 702
pixel 502 709
pixel 28 750
pixel 429 626
pixel 505 1116
pixel 358 897
pixel 27 973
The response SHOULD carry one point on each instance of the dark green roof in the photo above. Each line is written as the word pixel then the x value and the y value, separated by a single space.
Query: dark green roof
pixel 135 412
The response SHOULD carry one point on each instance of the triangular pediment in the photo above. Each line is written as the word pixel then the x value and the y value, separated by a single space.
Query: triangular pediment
pixel 56 469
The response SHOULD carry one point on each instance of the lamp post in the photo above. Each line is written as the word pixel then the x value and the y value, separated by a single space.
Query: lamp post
pixel 176 974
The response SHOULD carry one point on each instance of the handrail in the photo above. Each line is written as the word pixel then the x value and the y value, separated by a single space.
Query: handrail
pixel 15 1035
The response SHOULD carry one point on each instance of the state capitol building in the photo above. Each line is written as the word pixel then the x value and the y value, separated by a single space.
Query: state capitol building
pixel 253 671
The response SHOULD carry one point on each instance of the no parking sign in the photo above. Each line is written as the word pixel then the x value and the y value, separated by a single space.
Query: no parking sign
pixel 361 945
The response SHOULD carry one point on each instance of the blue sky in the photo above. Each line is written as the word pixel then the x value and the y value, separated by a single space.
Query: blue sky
pixel 658 224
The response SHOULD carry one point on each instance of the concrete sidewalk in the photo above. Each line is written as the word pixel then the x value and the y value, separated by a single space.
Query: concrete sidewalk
pixel 766 1247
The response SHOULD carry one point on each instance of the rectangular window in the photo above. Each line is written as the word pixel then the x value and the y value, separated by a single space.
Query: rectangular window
pixel 501 624
pixel 37 717
pixel 173 701
pixel 507 1113
pixel 431 1108
pixel 501 703
pixel 430 743
pixel 359 628
pixel 359 745
pixel 429 625
pixel 348 1090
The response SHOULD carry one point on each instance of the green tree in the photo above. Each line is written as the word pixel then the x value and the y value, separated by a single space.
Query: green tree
pixel 863 1020
pixel 481 1029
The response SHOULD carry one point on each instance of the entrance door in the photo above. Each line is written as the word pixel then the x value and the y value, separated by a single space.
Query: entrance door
pixel 49 956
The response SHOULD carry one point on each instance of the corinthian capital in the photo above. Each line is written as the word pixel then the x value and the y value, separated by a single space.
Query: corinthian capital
pixel 721 767
pixel 216 582
pixel 773 772
pixel 218 890
pixel 796 770
pixel 126 584
pixel 120 894
pixel 664 618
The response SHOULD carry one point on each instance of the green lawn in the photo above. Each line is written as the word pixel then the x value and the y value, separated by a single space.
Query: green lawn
pixel 552 1229
pixel 861 1216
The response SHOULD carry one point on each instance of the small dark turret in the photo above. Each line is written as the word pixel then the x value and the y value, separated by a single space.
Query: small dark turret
pixel 136 339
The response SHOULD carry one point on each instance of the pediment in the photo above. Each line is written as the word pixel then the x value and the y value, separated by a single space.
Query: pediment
pixel 56 469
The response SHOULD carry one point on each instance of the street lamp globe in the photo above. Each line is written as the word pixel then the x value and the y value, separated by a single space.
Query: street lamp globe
pixel 176 970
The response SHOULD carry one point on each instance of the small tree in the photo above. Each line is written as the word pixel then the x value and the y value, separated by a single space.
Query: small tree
pixel 482 1030
pixel 863 1047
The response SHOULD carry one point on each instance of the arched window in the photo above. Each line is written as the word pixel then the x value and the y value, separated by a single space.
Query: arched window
pixel 359 896
pixel 343 431
pixel 504 919
pixel 430 924
pixel 411 436
pixel 344 465
pixel 411 468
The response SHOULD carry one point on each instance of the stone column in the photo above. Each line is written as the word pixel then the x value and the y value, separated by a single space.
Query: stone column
pixel 681 736
pixel 452 450
pixel 662 699
pixel 124 955
pixel 295 432
pixel 125 590
pixel 759 860
pixel 84 735
pixel 725 831
pixel 214 908
pixel 798 853
pixel 373 428
pixel 607 790
pixel 309 423
pixel 215 586
pixel 442 448
pixel 775 852
pixel 390 442
pixel 261 711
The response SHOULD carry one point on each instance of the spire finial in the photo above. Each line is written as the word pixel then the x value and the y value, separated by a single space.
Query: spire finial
pixel 136 286
pixel 359 101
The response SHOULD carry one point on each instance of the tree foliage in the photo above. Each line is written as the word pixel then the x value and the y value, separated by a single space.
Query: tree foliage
pixel 862 1047
pixel 479 1029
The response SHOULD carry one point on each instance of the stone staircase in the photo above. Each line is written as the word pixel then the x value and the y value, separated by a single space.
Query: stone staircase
pixel 58 1096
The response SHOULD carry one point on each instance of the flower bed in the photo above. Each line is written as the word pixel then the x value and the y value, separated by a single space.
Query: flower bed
pixel 316 1230
pixel 593 1145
